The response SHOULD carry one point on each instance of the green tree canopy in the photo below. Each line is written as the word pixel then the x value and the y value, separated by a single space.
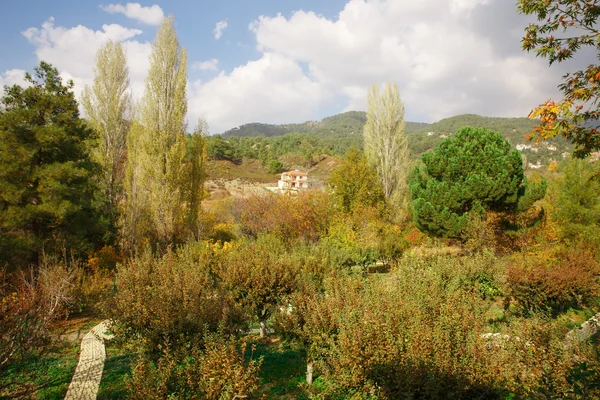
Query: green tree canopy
pixel 355 183
pixel 46 192
pixel 472 171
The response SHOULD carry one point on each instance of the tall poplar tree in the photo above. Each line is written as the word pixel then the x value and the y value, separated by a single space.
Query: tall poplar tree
pixel 108 107
pixel 386 146
pixel 162 142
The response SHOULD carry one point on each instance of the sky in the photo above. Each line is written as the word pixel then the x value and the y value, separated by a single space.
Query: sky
pixel 289 61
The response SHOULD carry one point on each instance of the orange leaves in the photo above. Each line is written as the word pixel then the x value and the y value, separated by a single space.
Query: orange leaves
pixel 554 119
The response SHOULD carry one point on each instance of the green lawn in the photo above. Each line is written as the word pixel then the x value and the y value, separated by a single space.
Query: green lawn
pixel 283 368
pixel 42 376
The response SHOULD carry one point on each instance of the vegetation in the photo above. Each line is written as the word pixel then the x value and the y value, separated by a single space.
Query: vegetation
pixel 48 199
pixel 386 146
pixel 576 115
pixel 337 134
pixel 355 184
pixel 109 110
pixel 164 189
pixel 320 293
pixel 471 172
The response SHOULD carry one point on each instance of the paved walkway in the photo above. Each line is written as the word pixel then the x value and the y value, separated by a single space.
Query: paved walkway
pixel 86 380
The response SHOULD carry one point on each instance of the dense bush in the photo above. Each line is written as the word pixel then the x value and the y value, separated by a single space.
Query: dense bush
pixel 217 371
pixel 421 335
pixel 569 278
pixel 174 296
pixel 31 302
pixel 574 201
pixel 301 216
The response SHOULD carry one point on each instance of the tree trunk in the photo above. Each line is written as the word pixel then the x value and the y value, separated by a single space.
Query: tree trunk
pixel 263 329
pixel 309 372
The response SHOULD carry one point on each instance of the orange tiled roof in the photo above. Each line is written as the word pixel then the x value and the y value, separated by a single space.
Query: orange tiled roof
pixel 295 173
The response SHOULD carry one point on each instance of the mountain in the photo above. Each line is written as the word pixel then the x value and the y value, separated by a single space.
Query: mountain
pixel 339 132
pixel 352 122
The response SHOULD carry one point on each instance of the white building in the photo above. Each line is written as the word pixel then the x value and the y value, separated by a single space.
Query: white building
pixel 293 180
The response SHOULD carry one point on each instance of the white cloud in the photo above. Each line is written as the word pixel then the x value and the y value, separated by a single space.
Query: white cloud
pixel 73 51
pixel 210 65
pixel 272 89
pixel 152 15
pixel 443 62
pixel 12 77
pixel 448 57
pixel 219 28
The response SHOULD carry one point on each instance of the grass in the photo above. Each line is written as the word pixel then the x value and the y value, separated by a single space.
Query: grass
pixel 117 368
pixel 41 376
pixel 283 368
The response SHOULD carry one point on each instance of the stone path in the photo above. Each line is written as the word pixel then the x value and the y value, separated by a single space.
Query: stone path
pixel 86 380
pixel 588 329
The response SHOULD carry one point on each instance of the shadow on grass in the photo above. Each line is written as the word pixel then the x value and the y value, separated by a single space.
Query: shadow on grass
pixel 45 376
pixel 283 368
pixel 116 370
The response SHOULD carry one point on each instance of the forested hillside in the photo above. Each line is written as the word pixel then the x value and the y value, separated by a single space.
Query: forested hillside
pixel 336 134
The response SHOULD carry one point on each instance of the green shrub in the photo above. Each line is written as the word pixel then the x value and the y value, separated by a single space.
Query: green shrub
pixel 174 296
pixel 215 371
pixel 420 334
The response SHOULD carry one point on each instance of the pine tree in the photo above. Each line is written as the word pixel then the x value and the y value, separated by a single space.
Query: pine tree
pixel 46 188
pixel 472 171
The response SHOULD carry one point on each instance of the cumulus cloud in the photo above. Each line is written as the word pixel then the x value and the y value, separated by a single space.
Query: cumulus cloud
pixel 442 60
pixel 219 28
pixel 73 51
pixel 272 89
pixel 152 15
pixel 12 77
pixel 447 56
pixel 210 65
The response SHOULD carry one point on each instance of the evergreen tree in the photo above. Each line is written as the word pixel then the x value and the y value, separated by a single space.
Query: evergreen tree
pixel 46 191
pixel 472 171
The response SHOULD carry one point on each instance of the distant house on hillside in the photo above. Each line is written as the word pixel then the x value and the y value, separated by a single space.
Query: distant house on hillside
pixel 293 180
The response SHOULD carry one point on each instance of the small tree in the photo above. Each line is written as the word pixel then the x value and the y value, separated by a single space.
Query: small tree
pixel 567 26
pixel 473 171
pixel 258 274
pixel 355 183
pixel 275 166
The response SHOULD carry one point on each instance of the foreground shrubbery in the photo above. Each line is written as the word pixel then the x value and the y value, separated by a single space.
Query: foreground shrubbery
pixel 421 334
pixel 215 371
pixel 562 280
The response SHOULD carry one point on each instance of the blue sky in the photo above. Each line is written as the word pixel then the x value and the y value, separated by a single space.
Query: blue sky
pixel 292 61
